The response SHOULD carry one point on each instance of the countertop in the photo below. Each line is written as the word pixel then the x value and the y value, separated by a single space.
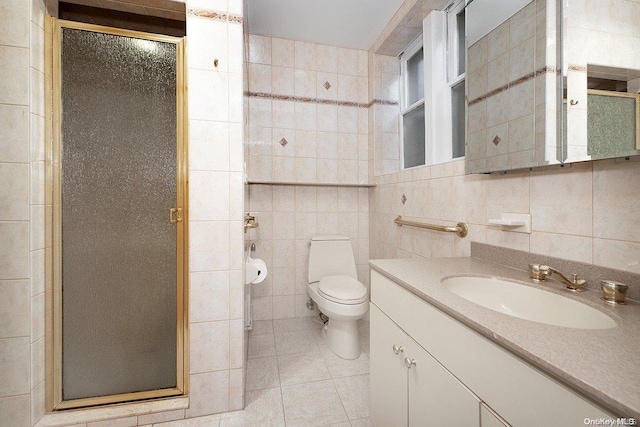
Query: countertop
pixel 602 364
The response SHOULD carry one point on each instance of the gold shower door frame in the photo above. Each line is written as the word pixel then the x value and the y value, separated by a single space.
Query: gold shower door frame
pixel 53 48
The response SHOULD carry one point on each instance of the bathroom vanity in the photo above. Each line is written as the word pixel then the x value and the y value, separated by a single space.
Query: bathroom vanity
pixel 438 359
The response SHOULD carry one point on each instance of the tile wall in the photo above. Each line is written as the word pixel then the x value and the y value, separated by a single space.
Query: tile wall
pixel 308 112
pixel 308 119
pixel 582 212
pixel 216 314
pixel 22 333
pixel 289 215
pixel 215 171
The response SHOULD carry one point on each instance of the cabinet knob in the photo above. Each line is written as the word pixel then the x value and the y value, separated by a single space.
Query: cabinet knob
pixel 409 362
pixel 397 349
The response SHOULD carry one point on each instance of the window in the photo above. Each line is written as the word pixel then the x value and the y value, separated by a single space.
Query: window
pixel 412 105
pixel 456 74
pixel 433 104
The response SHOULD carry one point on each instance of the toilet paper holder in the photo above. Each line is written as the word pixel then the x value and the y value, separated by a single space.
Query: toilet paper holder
pixel 250 222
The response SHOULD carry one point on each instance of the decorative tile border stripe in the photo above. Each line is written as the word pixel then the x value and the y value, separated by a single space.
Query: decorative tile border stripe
pixel 578 68
pixel 273 96
pixel 519 81
pixel 218 16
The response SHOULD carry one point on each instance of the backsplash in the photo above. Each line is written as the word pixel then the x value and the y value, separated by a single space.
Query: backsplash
pixel 583 212
pixel 593 274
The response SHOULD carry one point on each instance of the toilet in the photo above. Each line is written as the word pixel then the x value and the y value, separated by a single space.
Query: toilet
pixel 334 287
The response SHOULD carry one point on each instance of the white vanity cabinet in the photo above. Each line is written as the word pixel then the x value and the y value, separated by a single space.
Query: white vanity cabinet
pixel 409 387
pixel 464 373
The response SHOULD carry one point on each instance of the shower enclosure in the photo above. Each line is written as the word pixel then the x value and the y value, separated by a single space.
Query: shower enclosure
pixel 119 227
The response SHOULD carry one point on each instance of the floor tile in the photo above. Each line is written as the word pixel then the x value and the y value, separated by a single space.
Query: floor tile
pixel 339 367
pixel 262 373
pixel 354 394
pixel 261 346
pixel 208 421
pixel 312 404
pixel 292 342
pixel 289 325
pixel 263 409
pixel 261 327
pixel 365 422
pixel 302 368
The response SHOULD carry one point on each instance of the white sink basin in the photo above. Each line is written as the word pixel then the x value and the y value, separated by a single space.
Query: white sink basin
pixel 528 303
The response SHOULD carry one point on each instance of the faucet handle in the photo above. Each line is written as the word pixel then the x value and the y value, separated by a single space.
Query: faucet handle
pixel 539 272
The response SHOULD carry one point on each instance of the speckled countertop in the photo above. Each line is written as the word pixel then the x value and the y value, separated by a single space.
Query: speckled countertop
pixel 602 364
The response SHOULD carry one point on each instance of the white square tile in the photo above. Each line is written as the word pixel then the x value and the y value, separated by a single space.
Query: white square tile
pixel 263 407
pixel 208 40
pixel 208 145
pixel 14 308
pixel 303 408
pixel 209 296
pixel 208 196
pixel 305 55
pixel 14 191
pixel 283 52
pixel 14 374
pixel 14 253
pixel 14 411
pixel 261 345
pixel 354 394
pixel 206 89
pixel 262 373
pixel 293 342
pixel 208 394
pixel 209 347
pixel 327 58
pixel 284 306
pixel 209 246
pixel 347 61
pixel 15 19
pixel 302 368
pixel 259 49
pixel 14 145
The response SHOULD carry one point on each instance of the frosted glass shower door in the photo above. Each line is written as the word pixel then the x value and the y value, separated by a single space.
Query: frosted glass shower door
pixel 119 217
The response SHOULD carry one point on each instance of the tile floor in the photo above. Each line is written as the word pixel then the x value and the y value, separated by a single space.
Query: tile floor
pixel 294 379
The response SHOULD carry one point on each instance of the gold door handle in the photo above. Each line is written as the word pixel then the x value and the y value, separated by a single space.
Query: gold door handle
pixel 175 215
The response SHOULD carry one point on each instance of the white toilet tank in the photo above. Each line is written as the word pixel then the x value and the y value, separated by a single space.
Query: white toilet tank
pixel 331 255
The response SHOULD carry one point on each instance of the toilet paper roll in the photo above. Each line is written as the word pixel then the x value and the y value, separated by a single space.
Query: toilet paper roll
pixel 256 270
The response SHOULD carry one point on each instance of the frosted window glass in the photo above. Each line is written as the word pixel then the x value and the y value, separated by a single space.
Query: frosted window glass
pixel 414 134
pixel 118 184
pixel 415 77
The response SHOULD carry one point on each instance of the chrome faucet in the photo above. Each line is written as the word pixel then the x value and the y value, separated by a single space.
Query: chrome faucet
pixel 539 273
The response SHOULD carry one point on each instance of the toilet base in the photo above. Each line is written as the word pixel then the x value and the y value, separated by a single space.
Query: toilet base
pixel 343 338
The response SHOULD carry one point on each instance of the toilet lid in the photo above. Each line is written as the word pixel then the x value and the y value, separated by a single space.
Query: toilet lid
pixel 342 288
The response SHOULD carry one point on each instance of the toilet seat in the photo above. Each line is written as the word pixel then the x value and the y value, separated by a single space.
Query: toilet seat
pixel 342 290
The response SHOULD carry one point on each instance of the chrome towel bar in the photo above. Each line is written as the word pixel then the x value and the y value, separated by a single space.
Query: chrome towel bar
pixel 460 229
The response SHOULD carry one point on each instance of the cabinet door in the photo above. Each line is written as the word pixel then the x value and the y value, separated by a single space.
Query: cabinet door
pixel 488 418
pixel 437 398
pixel 388 374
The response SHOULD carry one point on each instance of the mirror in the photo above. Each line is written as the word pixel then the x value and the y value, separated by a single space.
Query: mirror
pixel 521 113
pixel 511 96
pixel 601 70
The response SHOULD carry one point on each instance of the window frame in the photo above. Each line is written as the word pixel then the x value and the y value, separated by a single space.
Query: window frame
pixel 405 109
pixel 454 77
